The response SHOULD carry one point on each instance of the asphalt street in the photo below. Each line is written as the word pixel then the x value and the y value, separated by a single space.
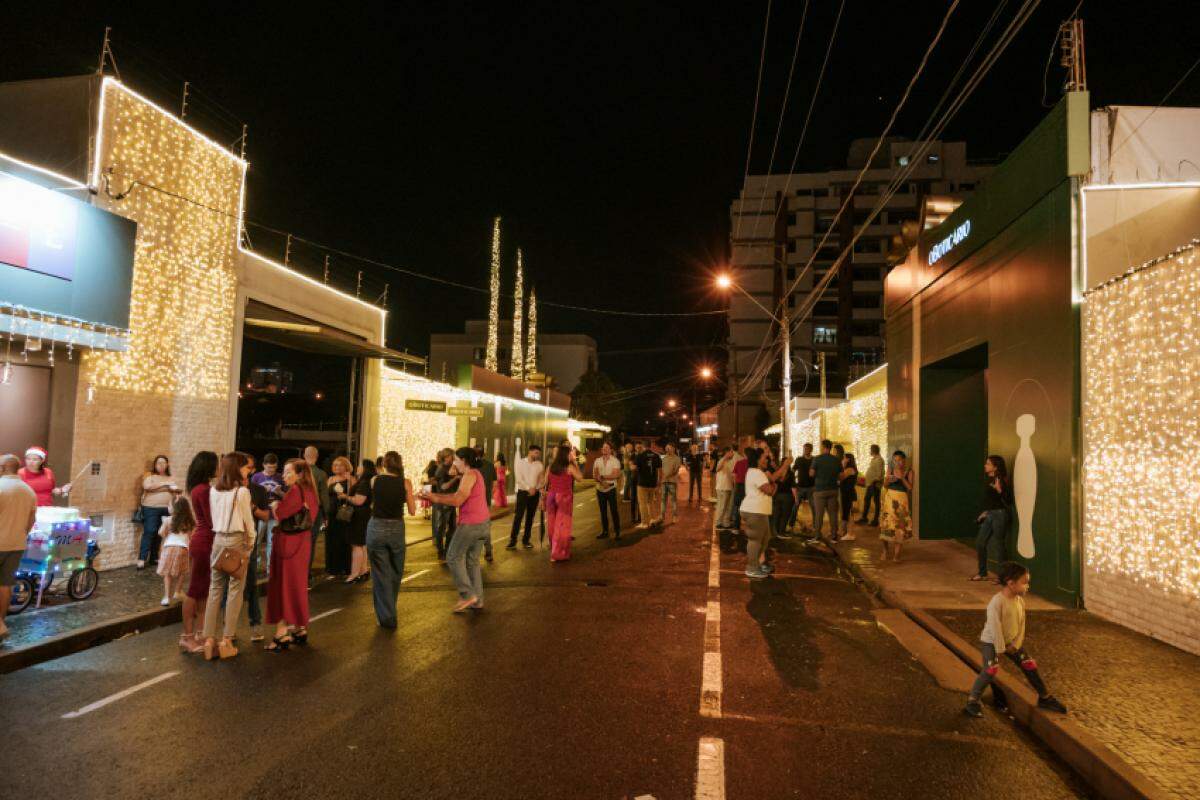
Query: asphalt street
pixel 579 680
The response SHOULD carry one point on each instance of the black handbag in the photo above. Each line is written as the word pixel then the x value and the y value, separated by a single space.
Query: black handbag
pixel 138 516
pixel 299 522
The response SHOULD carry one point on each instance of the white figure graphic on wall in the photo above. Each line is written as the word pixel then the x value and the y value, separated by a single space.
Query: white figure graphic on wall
pixel 1025 485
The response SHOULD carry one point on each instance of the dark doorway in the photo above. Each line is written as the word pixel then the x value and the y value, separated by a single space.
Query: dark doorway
pixel 953 443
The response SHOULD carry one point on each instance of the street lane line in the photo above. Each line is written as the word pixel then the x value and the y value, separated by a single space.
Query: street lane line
pixel 711 676
pixel 323 614
pixel 121 695
pixel 710 769
pixel 710 686
pixel 408 578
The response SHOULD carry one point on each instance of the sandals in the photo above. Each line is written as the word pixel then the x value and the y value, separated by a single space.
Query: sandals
pixel 462 605
pixel 279 643
pixel 300 636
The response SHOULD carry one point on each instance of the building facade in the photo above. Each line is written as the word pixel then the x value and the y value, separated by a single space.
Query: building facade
pixel 780 222
pixel 563 356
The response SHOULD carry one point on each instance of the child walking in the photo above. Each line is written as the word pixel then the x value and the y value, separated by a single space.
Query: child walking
pixel 1004 632
pixel 173 562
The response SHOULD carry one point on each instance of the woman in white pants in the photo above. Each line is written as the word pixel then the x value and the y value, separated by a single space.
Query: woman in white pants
pixel 233 528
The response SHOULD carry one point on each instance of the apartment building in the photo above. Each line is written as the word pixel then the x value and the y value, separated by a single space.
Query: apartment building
pixel 781 223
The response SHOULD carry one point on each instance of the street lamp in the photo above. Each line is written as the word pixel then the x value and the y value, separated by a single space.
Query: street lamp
pixel 725 281
pixel 670 403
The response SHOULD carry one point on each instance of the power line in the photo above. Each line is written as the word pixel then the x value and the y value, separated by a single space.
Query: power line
pixel 762 59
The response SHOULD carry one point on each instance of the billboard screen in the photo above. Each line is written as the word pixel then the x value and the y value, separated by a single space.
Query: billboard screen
pixel 37 228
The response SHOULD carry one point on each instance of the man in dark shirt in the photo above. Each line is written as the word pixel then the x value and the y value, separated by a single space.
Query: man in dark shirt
pixel 694 461
pixel 804 482
pixel 825 470
pixel 649 476
pixel 445 481
pixel 260 503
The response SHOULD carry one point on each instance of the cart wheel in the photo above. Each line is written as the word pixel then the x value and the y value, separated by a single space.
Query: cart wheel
pixel 83 583
pixel 22 596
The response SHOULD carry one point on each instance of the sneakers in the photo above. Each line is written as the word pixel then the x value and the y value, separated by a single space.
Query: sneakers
pixel 1051 704
pixel 528 545
pixel 164 602
pixel 141 564
pixel 848 537
pixel 766 567
pixel 511 546
pixel 755 574
pixel 974 708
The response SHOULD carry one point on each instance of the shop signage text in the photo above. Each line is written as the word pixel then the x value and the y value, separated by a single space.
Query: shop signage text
pixel 530 394
pixel 465 411
pixel 425 405
pixel 950 242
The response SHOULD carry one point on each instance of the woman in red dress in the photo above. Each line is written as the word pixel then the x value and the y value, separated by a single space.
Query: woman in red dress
pixel 287 591
pixel 202 470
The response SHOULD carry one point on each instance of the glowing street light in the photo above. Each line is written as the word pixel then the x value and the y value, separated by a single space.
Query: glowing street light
pixel 724 281
pixel 706 372
pixel 670 404
pixel 662 413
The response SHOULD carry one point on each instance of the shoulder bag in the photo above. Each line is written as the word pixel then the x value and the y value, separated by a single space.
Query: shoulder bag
pixel 232 560
pixel 299 522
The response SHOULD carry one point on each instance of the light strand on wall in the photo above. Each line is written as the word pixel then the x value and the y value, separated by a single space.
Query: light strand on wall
pixel 531 364
pixel 518 341
pixel 1141 424
pixel 491 356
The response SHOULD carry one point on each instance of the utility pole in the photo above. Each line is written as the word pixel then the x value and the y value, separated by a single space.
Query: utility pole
pixel 821 362
pixel 785 442
pixel 1070 38
pixel 183 106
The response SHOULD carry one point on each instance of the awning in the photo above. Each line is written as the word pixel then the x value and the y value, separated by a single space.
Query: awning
pixel 270 324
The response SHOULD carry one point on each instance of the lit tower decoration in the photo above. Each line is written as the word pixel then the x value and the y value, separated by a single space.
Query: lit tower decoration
pixel 518 363
pixel 491 361
pixel 531 349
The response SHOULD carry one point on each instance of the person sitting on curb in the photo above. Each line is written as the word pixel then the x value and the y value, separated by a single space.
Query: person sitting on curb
pixel 1004 632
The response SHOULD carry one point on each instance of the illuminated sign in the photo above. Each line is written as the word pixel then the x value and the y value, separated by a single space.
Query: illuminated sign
pixel 465 411
pixel 949 243
pixel 37 228
pixel 530 394
pixel 425 405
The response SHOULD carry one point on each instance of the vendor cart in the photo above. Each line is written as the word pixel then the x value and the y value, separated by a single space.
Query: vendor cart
pixel 62 545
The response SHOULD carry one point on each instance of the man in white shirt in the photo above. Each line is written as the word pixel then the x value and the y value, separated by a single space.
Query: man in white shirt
pixel 874 482
pixel 605 470
pixel 723 485
pixel 18 510
pixel 528 474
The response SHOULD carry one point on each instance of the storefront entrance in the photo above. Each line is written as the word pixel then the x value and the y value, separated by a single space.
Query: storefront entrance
pixel 954 440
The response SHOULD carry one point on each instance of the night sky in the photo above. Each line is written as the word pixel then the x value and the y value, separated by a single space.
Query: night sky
pixel 610 137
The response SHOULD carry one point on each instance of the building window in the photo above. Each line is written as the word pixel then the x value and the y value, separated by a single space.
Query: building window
pixel 804 192
pixel 866 301
pixel 791 248
pixel 478 354
pixel 932 158
pixel 791 273
pixel 824 334
pixel 826 308
pixel 822 192
pixel 966 187
pixel 902 161
pixel 791 301
pixel 792 218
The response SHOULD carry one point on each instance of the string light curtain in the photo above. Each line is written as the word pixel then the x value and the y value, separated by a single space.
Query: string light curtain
pixel 531 351
pixel 491 358
pixel 1141 425
pixel 181 312
pixel 518 340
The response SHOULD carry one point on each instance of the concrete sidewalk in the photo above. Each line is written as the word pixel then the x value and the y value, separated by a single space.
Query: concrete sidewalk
pixel 1131 698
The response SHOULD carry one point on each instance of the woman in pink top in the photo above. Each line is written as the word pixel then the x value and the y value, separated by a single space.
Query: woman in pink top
pixel 474 529
pixel 558 500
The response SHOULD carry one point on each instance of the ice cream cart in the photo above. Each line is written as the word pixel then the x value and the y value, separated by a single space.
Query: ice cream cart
pixel 62 545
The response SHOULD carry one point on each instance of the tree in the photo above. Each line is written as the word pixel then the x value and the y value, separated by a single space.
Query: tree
pixel 591 400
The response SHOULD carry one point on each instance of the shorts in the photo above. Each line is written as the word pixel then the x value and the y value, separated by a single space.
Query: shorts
pixel 10 562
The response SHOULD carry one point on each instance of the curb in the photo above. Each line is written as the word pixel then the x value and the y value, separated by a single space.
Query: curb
pixel 1103 769
pixel 99 633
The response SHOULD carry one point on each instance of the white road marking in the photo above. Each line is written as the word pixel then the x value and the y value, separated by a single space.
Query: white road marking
pixel 710 686
pixel 408 578
pixel 711 677
pixel 323 614
pixel 710 769
pixel 121 695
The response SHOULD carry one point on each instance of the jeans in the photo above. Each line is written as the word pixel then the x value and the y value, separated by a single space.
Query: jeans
pixel 847 498
pixel 463 558
pixel 219 583
pixel 781 511
pixel 696 482
pixel 724 507
pixel 991 665
pixel 152 517
pixel 803 495
pixel 739 494
pixel 251 590
pixel 873 492
pixel 646 503
pixel 443 528
pixel 631 495
pixel 386 548
pixel 670 490
pixel 609 500
pixel 993 528
pixel 526 507
pixel 824 501
pixel 758 534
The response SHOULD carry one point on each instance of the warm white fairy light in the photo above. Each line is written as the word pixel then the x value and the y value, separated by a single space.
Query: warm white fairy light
pixel 518 341
pixel 531 349
pixel 856 424
pixel 1141 425
pixel 181 312
pixel 492 356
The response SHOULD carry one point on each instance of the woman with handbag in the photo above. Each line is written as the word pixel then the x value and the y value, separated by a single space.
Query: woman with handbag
pixel 358 500
pixel 337 529
pixel 233 536
pixel 287 591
